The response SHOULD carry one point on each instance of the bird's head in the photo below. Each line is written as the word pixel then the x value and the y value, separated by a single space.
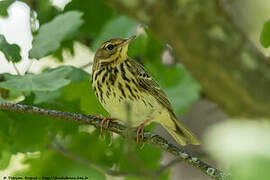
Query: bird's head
pixel 113 51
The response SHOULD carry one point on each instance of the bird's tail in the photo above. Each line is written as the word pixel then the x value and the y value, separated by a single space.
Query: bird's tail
pixel 181 134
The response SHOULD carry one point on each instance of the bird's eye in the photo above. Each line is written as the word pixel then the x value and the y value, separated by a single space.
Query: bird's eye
pixel 110 47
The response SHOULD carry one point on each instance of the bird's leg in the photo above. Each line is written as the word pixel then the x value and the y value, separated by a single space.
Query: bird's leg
pixel 107 120
pixel 140 129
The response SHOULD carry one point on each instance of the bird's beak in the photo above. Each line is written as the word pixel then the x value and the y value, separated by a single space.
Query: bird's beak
pixel 128 40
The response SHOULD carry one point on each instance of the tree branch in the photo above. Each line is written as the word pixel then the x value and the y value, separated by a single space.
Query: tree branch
pixel 121 130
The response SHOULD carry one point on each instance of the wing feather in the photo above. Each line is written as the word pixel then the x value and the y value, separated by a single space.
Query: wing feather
pixel 150 85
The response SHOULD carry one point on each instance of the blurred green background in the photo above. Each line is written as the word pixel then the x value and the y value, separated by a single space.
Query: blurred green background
pixel 210 58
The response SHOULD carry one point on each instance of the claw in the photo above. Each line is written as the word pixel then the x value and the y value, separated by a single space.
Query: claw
pixel 140 130
pixel 107 120
pixel 101 126
pixel 111 138
pixel 138 133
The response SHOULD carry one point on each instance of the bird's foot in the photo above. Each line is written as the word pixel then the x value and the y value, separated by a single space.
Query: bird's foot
pixel 140 130
pixel 107 121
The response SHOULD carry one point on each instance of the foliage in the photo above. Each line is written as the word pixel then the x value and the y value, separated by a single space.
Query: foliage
pixel 3 7
pixel 91 10
pixel 69 89
pixel 11 51
pixel 120 26
pixel 265 35
pixel 51 35
pixel 46 81
pixel 45 11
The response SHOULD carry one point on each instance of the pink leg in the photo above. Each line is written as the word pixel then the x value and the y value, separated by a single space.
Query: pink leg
pixel 107 120
pixel 138 134
pixel 140 130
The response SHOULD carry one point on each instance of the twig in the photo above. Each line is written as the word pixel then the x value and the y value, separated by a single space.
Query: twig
pixel 29 66
pixel 16 69
pixel 167 166
pixel 59 148
pixel 86 65
pixel 115 127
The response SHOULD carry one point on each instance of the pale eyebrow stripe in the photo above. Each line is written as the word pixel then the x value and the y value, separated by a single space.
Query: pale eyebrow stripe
pixel 108 42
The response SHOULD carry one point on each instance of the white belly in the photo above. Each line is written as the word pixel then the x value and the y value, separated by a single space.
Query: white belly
pixel 133 112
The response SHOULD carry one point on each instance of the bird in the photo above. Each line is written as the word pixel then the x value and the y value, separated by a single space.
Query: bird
pixel 123 86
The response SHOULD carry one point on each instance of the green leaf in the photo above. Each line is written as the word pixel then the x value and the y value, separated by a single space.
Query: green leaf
pixel 138 46
pixel 11 51
pixel 45 11
pixel 52 163
pixel 5 154
pixel 5 159
pixel 89 103
pixel 49 80
pixel 180 87
pixel 265 35
pixel 165 175
pixel 10 96
pixel 7 95
pixel 184 91
pixel 47 96
pixel 121 26
pixel 46 86
pixel 150 156
pixel 51 34
pixel 4 6
pixel 77 74
pixel 46 81
pixel 95 14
